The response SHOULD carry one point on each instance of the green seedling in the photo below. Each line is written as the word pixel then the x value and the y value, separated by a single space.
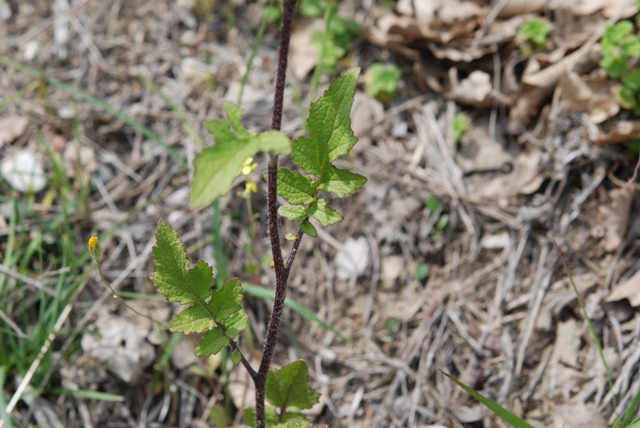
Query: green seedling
pixel 534 34
pixel 620 47
pixel 381 81
pixel 461 125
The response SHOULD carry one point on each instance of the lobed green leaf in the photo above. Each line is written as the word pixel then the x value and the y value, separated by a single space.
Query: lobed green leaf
pixel 172 277
pixel 216 167
pixel 295 187
pixel 293 212
pixel 214 340
pixel 289 387
pixel 321 210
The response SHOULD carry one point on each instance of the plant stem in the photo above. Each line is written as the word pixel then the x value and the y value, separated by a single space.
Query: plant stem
pixel 282 273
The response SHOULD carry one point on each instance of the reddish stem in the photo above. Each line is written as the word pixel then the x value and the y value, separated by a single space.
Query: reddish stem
pixel 282 272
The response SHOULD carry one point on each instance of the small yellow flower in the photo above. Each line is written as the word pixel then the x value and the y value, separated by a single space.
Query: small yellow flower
pixel 94 248
pixel 248 166
pixel 250 187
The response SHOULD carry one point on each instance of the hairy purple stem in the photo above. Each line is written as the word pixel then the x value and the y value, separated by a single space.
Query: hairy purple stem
pixel 282 273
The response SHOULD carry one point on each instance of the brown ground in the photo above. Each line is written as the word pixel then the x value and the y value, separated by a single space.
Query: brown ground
pixel 496 308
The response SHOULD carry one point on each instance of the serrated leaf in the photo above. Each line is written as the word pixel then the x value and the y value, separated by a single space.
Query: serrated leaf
pixel 270 415
pixel 216 167
pixel 274 141
pixel 330 134
pixel 214 340
pixel 342 182
pixel 308 228
pixel 172 277
pixel 203 315
pixel 295 187
pixel 234 114
pixel 289 387
pixel 325 214
pixel 297 421
pixel 293 212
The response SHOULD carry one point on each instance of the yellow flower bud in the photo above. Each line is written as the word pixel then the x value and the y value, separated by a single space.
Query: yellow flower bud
pixel 248 166
pixel 94 248
pixel 251 187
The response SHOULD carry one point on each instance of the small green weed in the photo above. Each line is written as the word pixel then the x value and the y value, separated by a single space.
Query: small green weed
pixel 381 80
pixel 461 125
pixel 620 46
pixel 534 34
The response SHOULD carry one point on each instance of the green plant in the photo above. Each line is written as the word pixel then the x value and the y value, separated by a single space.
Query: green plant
pixel 619 47
pixel 337 38
pixel 215 309
pixel 534 35
pixel 461 125
pixel 381 80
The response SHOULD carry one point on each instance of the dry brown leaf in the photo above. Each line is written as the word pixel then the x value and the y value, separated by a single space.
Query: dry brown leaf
pixel 629 290
pixel 595 95
pixel 475 90
pixel 620 132
pixel 537 86
pixel 615 217
pixel 509 174
pixel 578 414
pixel 12 127
pixel 522 7
pixel 303 53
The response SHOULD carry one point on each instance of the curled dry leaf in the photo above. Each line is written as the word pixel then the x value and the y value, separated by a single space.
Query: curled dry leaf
pixel 475 90
pixel 620 132
pixel 615 217
pixel 12 127
pixel 303 53
pixel 595 95
pixel 629 290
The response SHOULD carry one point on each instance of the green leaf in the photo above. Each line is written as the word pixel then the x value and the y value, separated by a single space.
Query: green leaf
pixel 203 316
pixel 293 212
pixel 217 312
pixel 308 228
pixel 381 80
pixel 342 182
pixel 631 80
pixel 326 215
pixel 497 409
pixel 273 420
pixel 216 167
pixel 329 128
pixel 295 187
pixel 234 114
pixel 214 340
pixel 432 203
pixel 172 277
pixel 290 236
pixel 298 422
pixel 236 356
pixel 274 141
pixel 289 387
pixel 614 65
pixel 615 33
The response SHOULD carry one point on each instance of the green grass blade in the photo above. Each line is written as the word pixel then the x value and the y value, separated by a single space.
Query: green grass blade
pixel 592 329
pixel 630 412
pixel 497 409
pixel 266 294
pixel 98 103
pixel 89 394
pixel 4 416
